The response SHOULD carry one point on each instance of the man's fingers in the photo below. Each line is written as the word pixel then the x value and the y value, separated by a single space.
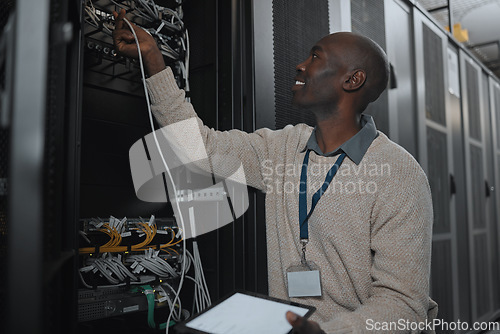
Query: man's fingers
pixel 123 35
pixel 127 50
pixel 119 19
pixel 303 326
pixel 125 43
pixel 120 22
pixel 294 320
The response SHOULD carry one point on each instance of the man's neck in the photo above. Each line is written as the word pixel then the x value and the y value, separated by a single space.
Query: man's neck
pixel 334 131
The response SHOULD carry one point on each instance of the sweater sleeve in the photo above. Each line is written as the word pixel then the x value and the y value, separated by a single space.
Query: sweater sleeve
pixel 226 150
pixel 401 234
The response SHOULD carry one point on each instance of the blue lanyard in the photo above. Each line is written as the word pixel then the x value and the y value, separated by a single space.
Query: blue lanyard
pixel 303 215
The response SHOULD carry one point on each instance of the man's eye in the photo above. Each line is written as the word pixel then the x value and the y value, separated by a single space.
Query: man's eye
pixel 314 55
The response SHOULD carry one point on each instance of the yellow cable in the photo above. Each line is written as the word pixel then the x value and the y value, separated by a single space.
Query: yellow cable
pixel 148 238
pixel 175 243
pixel 113 245
pixel 173 237
pixel 108 232
pixel 173 250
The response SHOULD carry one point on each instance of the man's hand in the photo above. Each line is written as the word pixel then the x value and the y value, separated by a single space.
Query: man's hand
pixel 126 46
pixel 303 326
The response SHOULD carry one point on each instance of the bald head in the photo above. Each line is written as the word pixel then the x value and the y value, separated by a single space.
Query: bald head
pixel 359 52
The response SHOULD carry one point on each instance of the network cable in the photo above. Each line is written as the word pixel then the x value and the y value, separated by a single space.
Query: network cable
pixel 116 230
pixel 164 163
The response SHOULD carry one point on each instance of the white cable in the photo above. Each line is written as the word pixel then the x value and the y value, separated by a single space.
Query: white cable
pixel 164 163
pixel 188 261
pixel 83 281
pixel 187 55
pixel 115 269
pixel 202 273
pixel 102 268
pixel 120 5
pixel 91 12
pixel 155 264
pixel 145 5
pixel 123 268
pixel 201 296
pixel 176 316
pixel 152 279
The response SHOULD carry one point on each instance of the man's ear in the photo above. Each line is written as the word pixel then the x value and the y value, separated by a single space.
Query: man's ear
pixel 354 80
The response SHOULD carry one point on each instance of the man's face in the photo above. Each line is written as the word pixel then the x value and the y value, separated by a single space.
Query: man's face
pixel 319 78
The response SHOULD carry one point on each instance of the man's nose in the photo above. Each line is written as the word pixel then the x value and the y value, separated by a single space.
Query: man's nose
pixel 300 67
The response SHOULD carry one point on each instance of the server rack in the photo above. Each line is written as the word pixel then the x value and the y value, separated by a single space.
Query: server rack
pixel 494 98
pixel 401 92
pixel 368 18
pixel 461 300
pixel 40 245
pixel 466 211
pixel 493 147
pixel 6 58
pixel 238 261
pixel 436 156
pixel 234 256
pixel 480 226
pixel 490 196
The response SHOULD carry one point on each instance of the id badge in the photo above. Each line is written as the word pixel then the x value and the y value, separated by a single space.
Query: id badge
pixel 304 280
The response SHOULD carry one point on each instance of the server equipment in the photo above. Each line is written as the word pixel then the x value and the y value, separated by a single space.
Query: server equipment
pixel 128 265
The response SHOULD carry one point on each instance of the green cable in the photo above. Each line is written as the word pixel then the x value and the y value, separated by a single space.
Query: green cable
pixel 150 295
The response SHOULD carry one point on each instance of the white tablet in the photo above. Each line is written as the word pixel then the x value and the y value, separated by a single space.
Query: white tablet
pixel 245 312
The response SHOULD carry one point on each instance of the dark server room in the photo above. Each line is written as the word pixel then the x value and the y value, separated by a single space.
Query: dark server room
pixel 166 189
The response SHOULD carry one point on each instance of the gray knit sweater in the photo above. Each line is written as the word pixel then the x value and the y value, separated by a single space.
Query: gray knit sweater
pixel 370 233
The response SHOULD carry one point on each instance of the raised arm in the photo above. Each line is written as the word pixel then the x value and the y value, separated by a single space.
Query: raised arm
pixel 226 150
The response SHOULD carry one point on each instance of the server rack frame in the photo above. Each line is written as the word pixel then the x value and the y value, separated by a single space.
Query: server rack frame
pixel 448 236
pixel 494 100
pixel 491 210
pixel 475 231
pixel 400 52
pixel 26 165
pixel 41 245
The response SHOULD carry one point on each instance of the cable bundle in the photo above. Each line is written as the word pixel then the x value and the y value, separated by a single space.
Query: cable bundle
pixel 97 18
pixel 118 229
pixel 165 291
pixel 160 294
pixel 142 268
pixel 134 269
pixel 110 267
pixel 165 24
pixel 178 313
pixel 151 262
pixel 201 294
